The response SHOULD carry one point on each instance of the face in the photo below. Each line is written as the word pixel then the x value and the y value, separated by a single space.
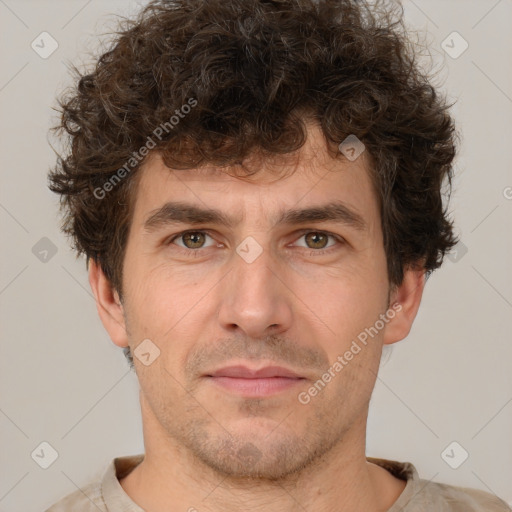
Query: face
pixel 256 288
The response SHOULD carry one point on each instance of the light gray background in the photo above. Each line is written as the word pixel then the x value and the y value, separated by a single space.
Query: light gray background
pixel 62 381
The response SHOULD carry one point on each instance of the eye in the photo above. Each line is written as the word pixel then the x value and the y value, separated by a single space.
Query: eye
pixel 318 240
pixel 191 239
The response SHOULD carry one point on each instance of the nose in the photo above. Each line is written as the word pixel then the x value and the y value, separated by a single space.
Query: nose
pixel 255 297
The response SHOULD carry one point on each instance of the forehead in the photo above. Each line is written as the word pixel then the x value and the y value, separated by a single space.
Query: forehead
pixel 311 177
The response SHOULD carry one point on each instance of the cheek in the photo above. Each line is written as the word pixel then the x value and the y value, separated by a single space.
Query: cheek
pixel 345 300
pixel 164 305
pixel 163 293
pixel 355 283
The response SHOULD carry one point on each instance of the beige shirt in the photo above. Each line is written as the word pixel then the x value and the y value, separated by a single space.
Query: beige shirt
pixel 419 495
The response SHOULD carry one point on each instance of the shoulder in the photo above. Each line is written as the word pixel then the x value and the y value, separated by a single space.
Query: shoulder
pixel 453 498
pixel 104 492
pixel 87 499
pixel 420 495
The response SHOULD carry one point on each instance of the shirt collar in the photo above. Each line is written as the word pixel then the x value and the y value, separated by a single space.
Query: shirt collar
pixel 113 494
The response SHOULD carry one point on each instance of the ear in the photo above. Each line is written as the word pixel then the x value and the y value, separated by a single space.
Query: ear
pixel 405 301
pixel 108 305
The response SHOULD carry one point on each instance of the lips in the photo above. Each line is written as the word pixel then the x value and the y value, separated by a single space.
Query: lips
pixel 243 372
pixel 255 383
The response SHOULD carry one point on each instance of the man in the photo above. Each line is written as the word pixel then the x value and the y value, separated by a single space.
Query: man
pixel 257 188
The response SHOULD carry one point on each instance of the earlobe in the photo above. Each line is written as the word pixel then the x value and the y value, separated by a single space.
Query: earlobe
pixel 108 305
pixel 405 301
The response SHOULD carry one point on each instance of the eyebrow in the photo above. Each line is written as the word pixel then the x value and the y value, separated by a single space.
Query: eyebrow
pixel 184 213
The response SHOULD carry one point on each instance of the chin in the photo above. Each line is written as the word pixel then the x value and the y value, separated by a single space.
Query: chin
pixel 257 453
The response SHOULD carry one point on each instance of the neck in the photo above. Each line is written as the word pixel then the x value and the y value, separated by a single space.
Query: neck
pixel 341 480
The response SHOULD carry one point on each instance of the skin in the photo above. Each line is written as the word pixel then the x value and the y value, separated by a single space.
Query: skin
pixel 212 449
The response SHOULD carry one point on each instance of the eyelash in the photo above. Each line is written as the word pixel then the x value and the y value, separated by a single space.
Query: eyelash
pixel 317 252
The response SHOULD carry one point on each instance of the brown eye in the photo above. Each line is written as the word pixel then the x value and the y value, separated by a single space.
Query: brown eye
pixel 196 239
pixel 191 239
pixel 317 240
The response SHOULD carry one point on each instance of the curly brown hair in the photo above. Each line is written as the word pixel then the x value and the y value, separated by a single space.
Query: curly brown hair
pixel 252 72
